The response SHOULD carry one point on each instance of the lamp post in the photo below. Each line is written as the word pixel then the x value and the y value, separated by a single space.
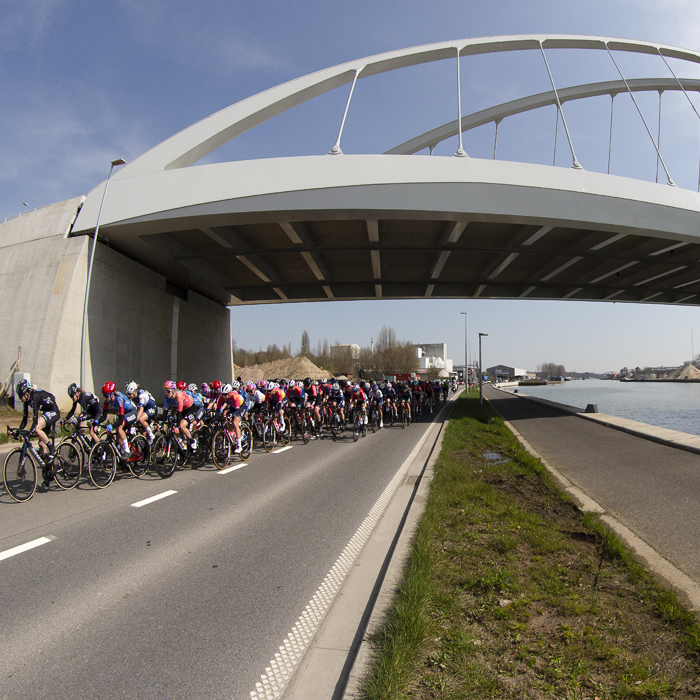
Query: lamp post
pixel 118 161
pixel 481 392
pixel 466 359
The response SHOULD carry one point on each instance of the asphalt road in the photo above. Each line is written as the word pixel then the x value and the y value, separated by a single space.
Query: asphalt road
pixel 652 489
pixel 189 596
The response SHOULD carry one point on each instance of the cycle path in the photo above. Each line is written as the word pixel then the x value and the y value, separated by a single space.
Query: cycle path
pixel 644 480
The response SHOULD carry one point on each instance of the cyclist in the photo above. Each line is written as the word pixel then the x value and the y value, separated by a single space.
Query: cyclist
pixel 336 396
pixel 234 404
pixel 45 413
pixel 183 405
pixel 276 398
pixel 199 400
pixel 126 413
pixel 313 398
pixel 359 399
pixel 146 409
pixel 405 396
pixel 377 398
pixel 90 409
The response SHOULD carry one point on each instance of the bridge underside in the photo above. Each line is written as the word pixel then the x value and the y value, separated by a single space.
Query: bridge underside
pixel 539 233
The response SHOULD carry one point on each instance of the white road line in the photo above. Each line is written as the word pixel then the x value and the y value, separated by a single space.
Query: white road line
pixel 23 548
pixel 233 468
pixel 281 449
pixel 152 499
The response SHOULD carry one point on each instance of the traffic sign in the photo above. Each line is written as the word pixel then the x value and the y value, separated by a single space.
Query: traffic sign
pixel 470 371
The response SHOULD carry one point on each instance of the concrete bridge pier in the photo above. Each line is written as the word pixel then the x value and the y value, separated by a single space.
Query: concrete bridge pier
pixel 140 326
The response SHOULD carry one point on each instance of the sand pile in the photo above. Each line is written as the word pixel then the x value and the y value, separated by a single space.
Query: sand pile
pixel 688 372
pixel 291 368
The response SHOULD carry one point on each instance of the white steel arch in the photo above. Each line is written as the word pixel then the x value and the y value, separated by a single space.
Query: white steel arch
pixel 195 142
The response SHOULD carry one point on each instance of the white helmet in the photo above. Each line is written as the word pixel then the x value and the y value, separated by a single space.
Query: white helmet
pixel 193 388
pixel 226 389
pixel 131 387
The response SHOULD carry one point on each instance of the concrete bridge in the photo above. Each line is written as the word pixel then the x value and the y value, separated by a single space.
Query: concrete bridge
pixel 181 241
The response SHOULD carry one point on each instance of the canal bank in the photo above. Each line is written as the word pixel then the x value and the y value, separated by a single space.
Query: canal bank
pixel 636 477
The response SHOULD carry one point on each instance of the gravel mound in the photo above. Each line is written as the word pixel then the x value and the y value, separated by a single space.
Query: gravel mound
pixel 290 368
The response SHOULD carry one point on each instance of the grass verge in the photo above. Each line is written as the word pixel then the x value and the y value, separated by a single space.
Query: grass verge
pixel 511 592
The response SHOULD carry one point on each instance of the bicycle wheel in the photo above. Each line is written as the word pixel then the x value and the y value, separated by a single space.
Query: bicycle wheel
pixel 335 424
pixel 269 436
pixel 404 417
pixel 286 432
pixel 305 430
pixel 165 456
pixel 68 464
pixel 199 456
pixel 19 475
pixel 391 415
pixel 102 464
pixel 246 442
pixel 356 428
pixel 140 456
pixel 221 449
pixel 375 422
pixel 363 426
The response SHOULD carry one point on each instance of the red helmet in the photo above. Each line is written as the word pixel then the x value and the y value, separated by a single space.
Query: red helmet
pixel 169 385
pixel 216 384
pixel 181 386
pixel 108 388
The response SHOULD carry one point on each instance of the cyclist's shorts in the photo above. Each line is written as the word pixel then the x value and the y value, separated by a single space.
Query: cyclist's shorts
pixel 189 414
pixel 151 412
pixel 130 418
pixel 239 412
pixel 94 412
pixel 50 417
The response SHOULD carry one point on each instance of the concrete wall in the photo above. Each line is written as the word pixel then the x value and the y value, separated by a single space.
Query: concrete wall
pixel 130 317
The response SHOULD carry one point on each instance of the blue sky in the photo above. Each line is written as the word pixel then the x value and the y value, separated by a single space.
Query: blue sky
pixel 83 83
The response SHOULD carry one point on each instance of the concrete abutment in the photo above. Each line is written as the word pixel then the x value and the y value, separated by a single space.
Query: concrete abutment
pixel 133 332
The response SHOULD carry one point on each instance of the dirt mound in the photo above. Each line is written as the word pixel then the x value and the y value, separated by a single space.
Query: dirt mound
pixel 291 368
pixel 688 372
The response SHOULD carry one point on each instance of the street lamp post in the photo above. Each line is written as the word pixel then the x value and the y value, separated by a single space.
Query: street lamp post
pixel 466 360
pixel 118 161
pixel 481 381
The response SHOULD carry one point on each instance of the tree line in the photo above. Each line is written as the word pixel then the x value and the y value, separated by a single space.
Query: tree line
pixel 387 356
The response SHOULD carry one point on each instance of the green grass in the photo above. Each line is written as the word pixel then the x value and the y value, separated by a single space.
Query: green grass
pixel 511 592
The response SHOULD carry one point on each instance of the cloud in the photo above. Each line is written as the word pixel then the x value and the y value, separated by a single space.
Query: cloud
pixel 191 37
pixel 25 22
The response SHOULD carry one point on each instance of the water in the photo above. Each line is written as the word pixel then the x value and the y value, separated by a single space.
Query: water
pixel 665 404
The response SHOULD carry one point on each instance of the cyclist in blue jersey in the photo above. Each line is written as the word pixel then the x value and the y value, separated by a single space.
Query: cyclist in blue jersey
pixel 126 413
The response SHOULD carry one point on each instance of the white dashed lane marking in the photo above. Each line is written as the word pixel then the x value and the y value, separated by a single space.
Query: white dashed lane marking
pixel 282 449
pixel 24 547
pixel 233 468
pixel 146 501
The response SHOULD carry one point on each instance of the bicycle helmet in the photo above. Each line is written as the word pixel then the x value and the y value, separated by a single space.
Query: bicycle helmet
pixel 181 386
pixel 71 389
pixel 355 388
pixel 262 385
pixel 108 388
pixel 22 387
pixel 169 385
pixel 216 384
pixel 193 388
pixel 307 382
pixel 315 382
pixel 250 388
pixel 131 387
pixel 292 384
pixel 374 387
pixel 226 389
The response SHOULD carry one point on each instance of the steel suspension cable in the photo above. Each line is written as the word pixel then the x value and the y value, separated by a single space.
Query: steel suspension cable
pixel 646 126
pixel 575 163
